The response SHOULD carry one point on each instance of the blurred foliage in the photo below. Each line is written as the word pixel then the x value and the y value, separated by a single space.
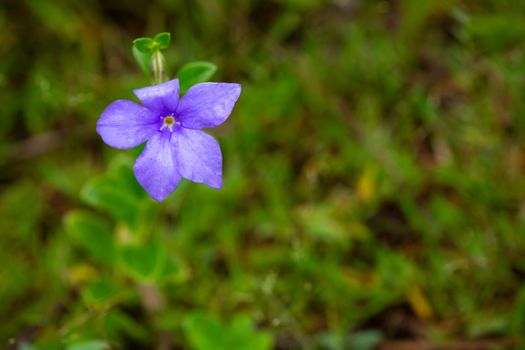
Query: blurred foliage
pixel 373 190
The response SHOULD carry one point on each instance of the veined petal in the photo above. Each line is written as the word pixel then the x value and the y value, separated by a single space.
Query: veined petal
pixel 156 168
pixel 198 157
pixel 125 124
pixel 207 105
pixel 162 98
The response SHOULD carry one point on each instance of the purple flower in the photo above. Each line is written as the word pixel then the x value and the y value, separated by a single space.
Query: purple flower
pixel 176 146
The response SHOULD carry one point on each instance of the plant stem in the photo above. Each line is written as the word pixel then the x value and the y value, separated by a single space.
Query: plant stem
pixel 157 65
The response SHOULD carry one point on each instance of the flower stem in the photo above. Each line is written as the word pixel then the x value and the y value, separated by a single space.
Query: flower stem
pixel 157 66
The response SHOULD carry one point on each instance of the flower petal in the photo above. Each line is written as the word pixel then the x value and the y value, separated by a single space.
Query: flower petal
pixel 198 157
pixel 155 169
pixel 125 124
pixel 208 104
pixel 162 98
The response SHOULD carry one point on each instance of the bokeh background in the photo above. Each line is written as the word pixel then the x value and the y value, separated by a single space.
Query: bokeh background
pixel 373 196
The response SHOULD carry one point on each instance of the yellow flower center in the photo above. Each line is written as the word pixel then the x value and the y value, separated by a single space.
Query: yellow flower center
pixel 169 121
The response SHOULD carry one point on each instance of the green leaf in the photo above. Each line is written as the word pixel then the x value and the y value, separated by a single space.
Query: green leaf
pixel 194 73
pixel 121 169
pixel 206 332
pixel 144 45
pixel 99 292
pixel 144 48
pixel 162 40
pixel 116 192
pixel 88 345
pixel 174 270
pixel 143 60
pixel 243 336
pixel 92 233
pixel 113 197
pixel 144 262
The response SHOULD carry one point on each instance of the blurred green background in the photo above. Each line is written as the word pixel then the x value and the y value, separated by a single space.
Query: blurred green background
pixel 373 195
